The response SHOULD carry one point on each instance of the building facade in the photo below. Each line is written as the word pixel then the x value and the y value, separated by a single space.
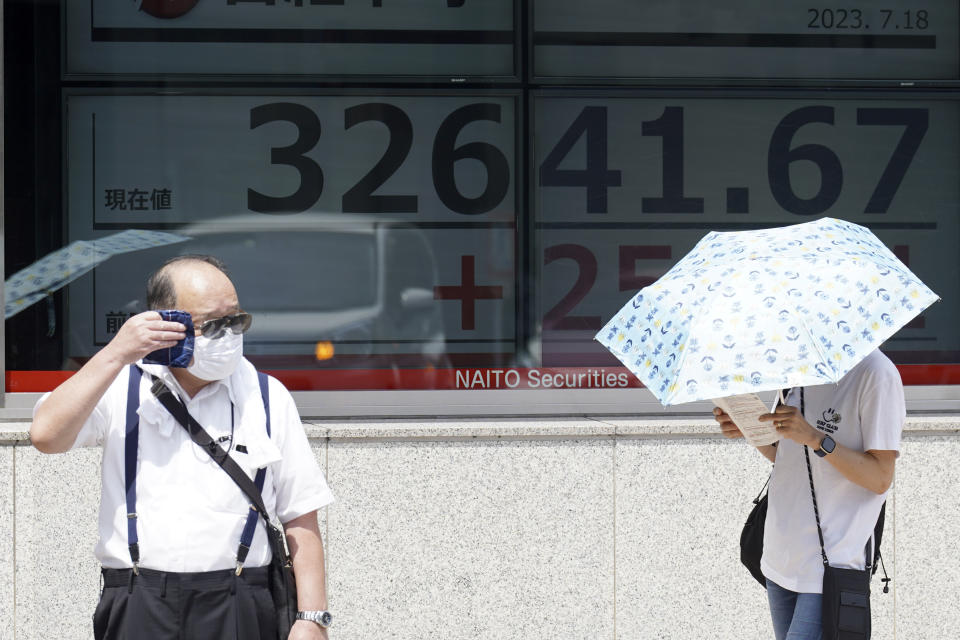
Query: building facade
pixel 431 208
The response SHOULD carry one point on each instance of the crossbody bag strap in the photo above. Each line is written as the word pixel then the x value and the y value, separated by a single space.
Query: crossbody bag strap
pixel 813 494
pixel 816 510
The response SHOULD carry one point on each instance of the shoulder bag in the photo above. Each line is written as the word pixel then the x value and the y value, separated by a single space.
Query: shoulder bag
pixel 751 538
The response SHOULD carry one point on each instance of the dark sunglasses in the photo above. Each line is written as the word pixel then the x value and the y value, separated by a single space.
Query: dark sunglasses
pixel 215 328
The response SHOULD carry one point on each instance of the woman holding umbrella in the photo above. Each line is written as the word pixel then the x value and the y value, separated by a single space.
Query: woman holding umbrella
pixel 853 428
pixel 803 306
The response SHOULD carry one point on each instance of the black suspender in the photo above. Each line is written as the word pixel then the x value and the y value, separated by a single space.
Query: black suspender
pixel 250 528
pixel 130 445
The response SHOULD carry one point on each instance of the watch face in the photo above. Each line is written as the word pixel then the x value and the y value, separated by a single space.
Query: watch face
pixel 326 618
pixel 828 444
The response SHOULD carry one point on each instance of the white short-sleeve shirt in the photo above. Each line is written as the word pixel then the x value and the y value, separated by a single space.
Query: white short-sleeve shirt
pixel 190 512
pixel 864 411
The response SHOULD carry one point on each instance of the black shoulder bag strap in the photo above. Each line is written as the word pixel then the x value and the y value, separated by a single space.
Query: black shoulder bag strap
pixel 813 494
pixel 203 440
pixel 870 559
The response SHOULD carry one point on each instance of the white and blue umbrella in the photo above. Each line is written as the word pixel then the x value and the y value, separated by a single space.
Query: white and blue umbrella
pixel 751 311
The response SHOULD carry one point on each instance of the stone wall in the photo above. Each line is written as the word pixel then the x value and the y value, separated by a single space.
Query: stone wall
pixel 551 528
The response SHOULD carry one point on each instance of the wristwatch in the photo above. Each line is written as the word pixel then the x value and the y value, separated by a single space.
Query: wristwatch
pixel 827 445
pixel 322 618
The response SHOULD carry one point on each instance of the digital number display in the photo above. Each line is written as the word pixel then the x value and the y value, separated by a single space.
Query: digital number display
pixel 900 41
pixel 172 160
pixel 626 186
pixel 383 224
pixel 280 39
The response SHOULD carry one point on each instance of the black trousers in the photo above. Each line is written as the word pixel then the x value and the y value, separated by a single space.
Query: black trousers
pixel 213 605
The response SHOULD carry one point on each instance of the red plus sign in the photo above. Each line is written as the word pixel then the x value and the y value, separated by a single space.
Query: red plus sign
pixel 468 293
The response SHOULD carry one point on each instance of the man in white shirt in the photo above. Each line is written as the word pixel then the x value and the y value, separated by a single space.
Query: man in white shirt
pixel 183 577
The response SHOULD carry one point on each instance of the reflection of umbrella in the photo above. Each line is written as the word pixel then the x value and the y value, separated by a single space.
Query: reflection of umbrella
pixel 57 269
pixel 751 311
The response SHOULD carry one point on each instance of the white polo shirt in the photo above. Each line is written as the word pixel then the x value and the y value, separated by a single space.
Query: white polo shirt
pixel 864 411
pixel 190 513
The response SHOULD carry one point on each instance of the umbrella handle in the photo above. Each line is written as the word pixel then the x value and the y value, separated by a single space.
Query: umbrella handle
pixel 780 399
pixel 51 316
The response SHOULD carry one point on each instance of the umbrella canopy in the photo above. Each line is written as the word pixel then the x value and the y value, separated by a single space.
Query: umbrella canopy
pixel 62 266
pixel 751 311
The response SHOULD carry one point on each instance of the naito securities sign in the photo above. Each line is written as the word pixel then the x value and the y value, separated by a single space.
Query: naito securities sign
pixel 566 378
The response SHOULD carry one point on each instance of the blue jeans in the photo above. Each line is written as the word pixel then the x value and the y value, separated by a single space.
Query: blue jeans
pixel 796 616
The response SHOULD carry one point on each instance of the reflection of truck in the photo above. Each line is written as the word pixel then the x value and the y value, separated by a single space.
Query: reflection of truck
pixel 364 285
pixel 324 290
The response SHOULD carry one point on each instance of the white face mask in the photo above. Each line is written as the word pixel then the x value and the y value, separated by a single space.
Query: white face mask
pixel 216 359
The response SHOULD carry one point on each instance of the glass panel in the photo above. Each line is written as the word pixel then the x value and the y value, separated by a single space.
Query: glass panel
pixel 661 40
pixel 285 40
pixel 385 235
pixel 628 185
pixel 402 205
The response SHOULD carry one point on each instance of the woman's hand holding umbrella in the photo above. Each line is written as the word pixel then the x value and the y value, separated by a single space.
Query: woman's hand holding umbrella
pixel 790 424
pixel 870 469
